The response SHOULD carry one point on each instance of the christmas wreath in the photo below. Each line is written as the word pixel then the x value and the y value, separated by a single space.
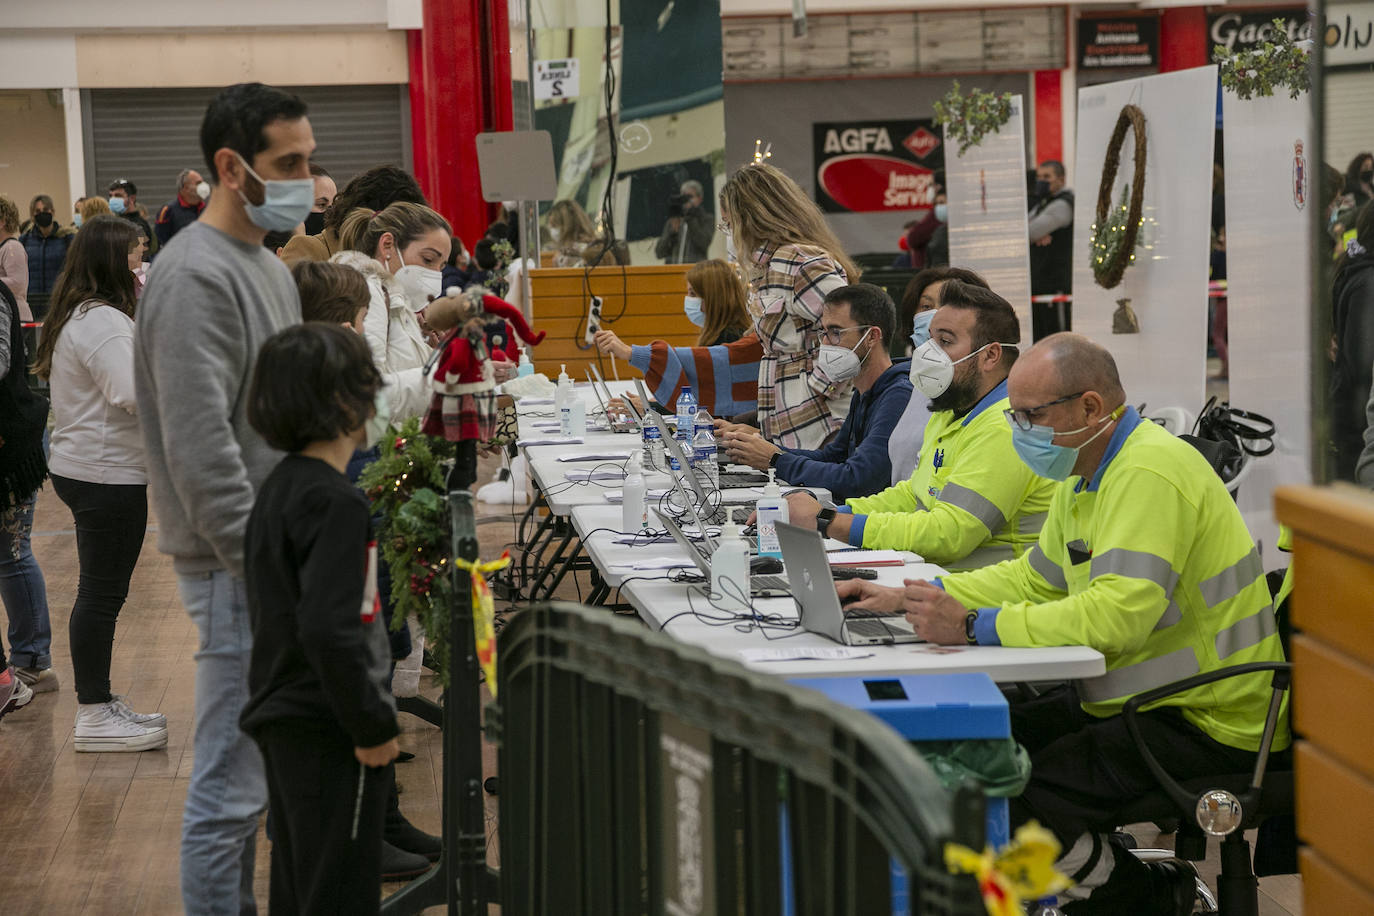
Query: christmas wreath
pixel 969 120
pixel 1256 72
pixel 406 488
pixel 1116 232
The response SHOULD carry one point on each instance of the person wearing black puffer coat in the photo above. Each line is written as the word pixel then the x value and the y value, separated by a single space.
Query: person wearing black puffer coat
pixel 1352 326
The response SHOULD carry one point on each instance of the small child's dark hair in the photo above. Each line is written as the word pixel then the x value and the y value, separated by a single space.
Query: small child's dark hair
pixel 313 382
pixel 329 292
pixel 482 253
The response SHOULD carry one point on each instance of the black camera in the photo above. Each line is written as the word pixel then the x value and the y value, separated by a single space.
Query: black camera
pixel 677 204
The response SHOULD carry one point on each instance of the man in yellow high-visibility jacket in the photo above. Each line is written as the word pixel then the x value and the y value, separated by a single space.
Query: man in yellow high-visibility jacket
pixel 1144 557
pixel 969 502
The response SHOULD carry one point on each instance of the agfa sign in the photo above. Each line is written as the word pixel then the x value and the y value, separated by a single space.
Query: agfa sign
pixel 877 166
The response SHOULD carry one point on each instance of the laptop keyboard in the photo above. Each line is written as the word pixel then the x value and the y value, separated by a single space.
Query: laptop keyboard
pixel 770 583
pixel 742 479
pixel 870 626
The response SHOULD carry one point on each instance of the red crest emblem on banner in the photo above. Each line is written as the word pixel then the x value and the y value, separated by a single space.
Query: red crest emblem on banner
pixel 921 142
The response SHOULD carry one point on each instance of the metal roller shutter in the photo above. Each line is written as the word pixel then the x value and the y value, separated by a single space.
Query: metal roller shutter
pixel 150 135
pixel 1349 99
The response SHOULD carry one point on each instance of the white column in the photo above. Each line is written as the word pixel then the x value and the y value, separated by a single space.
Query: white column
pixel 76 145
pixel 1068 101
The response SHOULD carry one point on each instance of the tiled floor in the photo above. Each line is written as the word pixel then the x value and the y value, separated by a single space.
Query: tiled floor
pixel 98 833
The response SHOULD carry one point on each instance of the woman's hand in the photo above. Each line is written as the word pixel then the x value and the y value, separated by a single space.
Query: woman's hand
pixel 608 342
pixel 617 405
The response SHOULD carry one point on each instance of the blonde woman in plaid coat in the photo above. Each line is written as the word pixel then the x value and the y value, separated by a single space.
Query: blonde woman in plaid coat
pixel 791 260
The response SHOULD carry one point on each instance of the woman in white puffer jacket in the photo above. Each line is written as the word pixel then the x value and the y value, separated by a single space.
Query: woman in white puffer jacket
pixel 399 251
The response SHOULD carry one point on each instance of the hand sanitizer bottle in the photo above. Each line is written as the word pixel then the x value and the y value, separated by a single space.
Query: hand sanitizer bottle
pixel 730 569
pixel 770 509
pixel 524 367
pixel 634 508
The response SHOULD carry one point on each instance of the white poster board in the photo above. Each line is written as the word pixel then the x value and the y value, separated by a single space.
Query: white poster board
pixel 1271 191
pixel 556 79
pixel 986 189
pixel 1165 364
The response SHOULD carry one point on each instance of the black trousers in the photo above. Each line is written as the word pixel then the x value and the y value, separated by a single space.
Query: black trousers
pixel 1047 318
pixel 1084 769
pixel 321 862
pixel 110 523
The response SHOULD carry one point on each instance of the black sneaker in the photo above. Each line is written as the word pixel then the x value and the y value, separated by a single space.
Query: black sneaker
pixel 399 865
pixel 1175 887
pixel 405 836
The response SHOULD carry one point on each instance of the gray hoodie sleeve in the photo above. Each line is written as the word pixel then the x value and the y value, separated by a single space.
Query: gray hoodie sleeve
pixel 196 359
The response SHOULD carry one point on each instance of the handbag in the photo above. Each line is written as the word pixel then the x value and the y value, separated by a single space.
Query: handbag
pixel 1228 437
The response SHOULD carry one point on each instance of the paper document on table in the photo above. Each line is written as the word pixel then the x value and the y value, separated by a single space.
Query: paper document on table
pixel 533 402
pixel 597 474
pixel 816 653
pixel 541 426
pixel 655 563
pixel 550 440
pixel 618 496
pixel 599 456
pixel 867 558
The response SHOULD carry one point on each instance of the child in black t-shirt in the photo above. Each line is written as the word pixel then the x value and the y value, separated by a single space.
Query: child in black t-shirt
pixel 320 706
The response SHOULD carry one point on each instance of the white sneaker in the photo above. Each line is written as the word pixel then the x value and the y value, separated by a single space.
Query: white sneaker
pixel 23 695
pixel 102 727
pixel 154 719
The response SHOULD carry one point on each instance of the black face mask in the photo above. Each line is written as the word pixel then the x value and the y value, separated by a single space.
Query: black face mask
pixel 1042 189
pixel 1367 176
pixel 42 219
pixel 314 223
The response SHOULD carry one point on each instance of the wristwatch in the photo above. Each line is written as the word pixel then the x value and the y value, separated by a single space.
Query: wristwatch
pixel 823 520
pixel 773 459
pixel 970 620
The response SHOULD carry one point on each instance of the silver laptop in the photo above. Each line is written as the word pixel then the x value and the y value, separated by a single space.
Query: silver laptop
pixel 618 423
pixel 700 550
pixel 808 571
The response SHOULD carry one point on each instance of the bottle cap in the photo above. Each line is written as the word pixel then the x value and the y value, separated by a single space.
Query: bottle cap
pixel 771 488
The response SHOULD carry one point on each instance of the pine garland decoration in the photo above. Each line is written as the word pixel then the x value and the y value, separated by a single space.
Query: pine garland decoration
pixel 1257 72
pixel 1116 232
pixel 969 120
pixel 406 488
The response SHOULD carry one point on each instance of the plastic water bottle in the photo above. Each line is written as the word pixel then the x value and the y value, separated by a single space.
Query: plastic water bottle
pixel 704 461
pixel 634 509
pixel 686 416
pixel 653 443
pixel 771 509
pixel 730 569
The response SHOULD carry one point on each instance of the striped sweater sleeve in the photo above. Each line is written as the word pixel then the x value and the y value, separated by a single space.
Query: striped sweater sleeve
pixel 725 378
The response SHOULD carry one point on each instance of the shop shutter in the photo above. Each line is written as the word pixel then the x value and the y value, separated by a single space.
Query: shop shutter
pixel 149 135
pixel 1349 99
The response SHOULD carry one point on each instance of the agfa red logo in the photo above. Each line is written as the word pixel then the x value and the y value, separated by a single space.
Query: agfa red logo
pixel 921 143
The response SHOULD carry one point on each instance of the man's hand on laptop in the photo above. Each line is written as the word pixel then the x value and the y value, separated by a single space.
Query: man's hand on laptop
pixel 862 598
pixel 934 614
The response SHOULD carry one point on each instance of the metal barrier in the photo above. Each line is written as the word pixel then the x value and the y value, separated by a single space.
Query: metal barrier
pixel 640 775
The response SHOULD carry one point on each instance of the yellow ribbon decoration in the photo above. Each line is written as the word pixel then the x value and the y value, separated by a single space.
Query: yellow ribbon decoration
pixel 1023 870
pixel 484 612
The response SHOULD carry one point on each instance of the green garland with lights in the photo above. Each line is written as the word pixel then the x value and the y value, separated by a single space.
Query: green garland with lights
pixel 406 488
pixel 1115 234
pixel 969 120
pixel 1258 71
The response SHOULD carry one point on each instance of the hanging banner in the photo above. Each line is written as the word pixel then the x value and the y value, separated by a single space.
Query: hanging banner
pixel 877 166
pixel 1164 363
pixel 987 214
pixel 1118 42
pixel 1245 30
pixel 1270 186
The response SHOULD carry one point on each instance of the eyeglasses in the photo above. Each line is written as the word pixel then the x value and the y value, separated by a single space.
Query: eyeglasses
pixel 833 335
pixel 722 227
pixel 1024 417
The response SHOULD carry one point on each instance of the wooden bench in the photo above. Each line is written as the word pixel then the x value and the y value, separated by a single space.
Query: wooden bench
pixel 639 303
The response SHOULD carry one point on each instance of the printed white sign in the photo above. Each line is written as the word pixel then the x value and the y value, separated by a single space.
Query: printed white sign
pixel 555 79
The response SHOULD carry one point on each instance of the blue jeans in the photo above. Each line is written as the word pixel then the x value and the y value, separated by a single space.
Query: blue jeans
pixel 23 590
pixel 228 784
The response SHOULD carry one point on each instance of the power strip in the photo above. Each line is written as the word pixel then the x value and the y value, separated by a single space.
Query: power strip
pixel 593 320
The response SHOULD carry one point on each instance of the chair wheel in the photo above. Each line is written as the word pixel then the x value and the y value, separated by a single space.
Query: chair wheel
pixel 492 785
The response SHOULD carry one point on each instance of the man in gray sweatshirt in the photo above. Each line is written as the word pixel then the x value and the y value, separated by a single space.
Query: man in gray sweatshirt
pixel 215 295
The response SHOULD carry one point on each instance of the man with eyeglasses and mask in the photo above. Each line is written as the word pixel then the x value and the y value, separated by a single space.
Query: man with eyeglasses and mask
pixel 969 502
pixel 1145 558
pixel 857 325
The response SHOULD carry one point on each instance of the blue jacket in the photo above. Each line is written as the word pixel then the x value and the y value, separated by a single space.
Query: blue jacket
pixel 46 257
pixel 855 461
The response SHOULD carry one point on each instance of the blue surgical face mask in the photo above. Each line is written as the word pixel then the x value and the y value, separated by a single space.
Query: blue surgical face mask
pixel 76 220
pixel 921 328
pixel 691 306
pixel 1035 446
pixel 117 204
pixel 942 212
pixel 285 202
